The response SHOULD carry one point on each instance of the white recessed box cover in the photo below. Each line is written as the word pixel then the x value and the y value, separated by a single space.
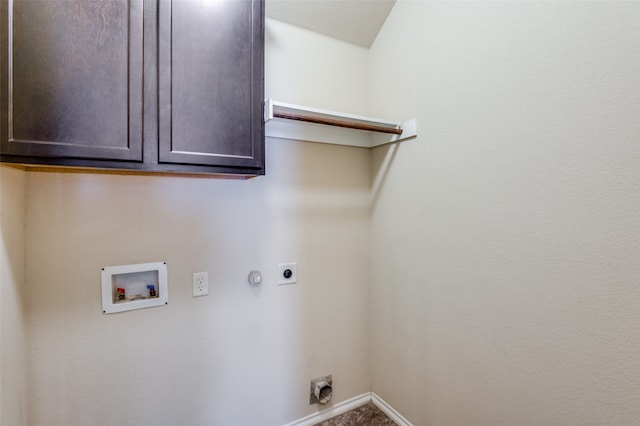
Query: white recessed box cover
pixel 138 286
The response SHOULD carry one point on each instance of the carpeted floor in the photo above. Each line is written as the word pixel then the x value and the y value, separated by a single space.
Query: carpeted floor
pixel 365 415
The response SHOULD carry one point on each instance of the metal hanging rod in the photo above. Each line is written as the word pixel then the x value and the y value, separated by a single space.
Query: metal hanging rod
pixel 374 131
pixel 397 130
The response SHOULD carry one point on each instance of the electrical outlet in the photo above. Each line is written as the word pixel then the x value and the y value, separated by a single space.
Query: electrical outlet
pixel 200 284
pixel 287 273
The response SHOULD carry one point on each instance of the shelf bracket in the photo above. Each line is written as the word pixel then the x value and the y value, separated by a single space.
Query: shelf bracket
pixel 289 121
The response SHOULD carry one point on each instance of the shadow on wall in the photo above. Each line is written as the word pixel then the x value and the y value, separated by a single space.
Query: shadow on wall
pixel 12 295
pixel 381 161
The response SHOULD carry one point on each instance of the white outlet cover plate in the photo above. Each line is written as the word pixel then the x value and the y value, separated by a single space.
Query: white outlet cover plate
pixel 200 284
pixel 294 276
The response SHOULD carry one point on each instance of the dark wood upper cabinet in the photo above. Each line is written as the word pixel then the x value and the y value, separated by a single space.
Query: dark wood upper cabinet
pixel 75 79
pixel 158 86
pixel 208 78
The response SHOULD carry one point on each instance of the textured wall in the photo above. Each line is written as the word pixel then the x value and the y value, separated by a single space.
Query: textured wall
pixel 239 356
pixel 506 238
pixel 307 68
pixel 12 296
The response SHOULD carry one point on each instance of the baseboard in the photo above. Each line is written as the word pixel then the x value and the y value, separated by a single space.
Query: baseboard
pixel 389 411
pixel 337 409
pixel 350 404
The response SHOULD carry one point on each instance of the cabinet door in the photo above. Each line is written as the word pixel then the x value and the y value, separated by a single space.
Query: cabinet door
pixel 72 79
pixel 211 82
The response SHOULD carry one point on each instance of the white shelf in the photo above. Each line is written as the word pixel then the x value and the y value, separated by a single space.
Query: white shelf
pixel 288 121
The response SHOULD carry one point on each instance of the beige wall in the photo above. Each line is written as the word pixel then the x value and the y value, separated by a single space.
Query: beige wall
pixel 240 356
pixel 307 68
pixel 12 296
pixel 501 245
pixel 506 238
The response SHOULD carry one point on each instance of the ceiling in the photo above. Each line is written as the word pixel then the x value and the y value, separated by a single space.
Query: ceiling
pixel 353 21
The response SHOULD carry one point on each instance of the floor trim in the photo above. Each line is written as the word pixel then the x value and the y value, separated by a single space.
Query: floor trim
pixel 337 409
pixel 389 411
pixel 350 404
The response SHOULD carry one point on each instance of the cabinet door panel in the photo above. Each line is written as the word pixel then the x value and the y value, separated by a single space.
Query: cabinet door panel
pixel 74 79
pixel 211 75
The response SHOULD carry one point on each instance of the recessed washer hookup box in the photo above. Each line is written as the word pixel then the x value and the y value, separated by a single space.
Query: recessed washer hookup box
pixel 128 287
